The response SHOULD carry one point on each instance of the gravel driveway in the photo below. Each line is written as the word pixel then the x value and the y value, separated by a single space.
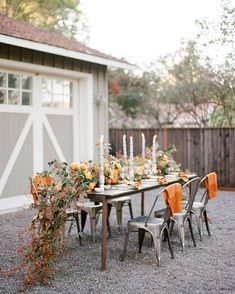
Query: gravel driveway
pixel 207 268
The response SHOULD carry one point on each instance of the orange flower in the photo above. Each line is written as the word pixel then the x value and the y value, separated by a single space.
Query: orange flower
pixel 91 186
pixel 138 185
pixel 74 166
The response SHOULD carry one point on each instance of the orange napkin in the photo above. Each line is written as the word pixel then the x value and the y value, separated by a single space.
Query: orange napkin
pixel 211 185
pixel 162 180
pixel 136 185
pixel 39 181
pixel 173 198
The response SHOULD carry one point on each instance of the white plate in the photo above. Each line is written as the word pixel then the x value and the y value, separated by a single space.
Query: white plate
pixel 124 187
pixel 190 175
pixel 149 180
pixel 171 178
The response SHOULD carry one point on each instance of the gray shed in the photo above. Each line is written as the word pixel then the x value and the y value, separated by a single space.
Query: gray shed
pixel 53 104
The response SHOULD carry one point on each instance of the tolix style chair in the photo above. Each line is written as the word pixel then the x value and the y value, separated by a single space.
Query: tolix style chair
pixel 119 203
pixel 93 210
pixel 72 213
pixel 199 208
pixel 154 225
pixel 185 214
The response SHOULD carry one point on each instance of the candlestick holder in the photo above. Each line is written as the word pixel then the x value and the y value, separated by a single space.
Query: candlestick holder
pixel 131 173
pixel 154 169
pixel 102 182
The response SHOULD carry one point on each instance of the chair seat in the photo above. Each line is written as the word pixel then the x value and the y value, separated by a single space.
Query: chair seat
pixel 70 211
pixel 89 204
pixel 140 221
pixel 120 199
pixel 197 205
pixel 180 214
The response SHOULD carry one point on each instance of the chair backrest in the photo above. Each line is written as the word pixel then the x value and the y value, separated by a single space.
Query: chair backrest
pixel 192 186
pixel 172 198
pixel 210 183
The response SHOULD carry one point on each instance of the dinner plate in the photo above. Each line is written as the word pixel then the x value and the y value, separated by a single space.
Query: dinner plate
pixel 171 177
pixel 124 187
pixel 190 175
pixel 149 180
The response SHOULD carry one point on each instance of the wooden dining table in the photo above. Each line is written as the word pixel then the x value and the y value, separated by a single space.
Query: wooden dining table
pixel 119 191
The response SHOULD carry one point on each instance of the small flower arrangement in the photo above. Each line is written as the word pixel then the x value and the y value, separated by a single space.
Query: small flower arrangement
pixel 112 170
pixel 85 175
pixel 165 161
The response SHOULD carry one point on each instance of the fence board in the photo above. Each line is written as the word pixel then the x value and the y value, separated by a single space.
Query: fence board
pixel 199 150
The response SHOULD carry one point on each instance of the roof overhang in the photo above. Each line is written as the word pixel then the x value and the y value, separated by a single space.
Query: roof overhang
pixel 64 52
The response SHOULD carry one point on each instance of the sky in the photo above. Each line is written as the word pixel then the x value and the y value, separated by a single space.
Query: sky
pixel 141 31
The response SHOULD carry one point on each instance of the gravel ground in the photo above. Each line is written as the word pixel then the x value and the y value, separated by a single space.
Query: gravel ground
pixel 207 268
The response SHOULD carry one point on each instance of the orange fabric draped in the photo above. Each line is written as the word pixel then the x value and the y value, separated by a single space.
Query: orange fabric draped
pixel 211 185
pixel 38 182
pixel 173 198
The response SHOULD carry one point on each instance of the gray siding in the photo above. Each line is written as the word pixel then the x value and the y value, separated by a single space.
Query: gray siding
pixel 63 129
pixel 21 171
pixel 12 124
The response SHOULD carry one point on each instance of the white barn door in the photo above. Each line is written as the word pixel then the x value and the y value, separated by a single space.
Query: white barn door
pixel 53 119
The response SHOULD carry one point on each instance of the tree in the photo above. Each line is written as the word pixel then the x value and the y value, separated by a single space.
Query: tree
pixel 220 37
pixel 62 16
pixel 126 96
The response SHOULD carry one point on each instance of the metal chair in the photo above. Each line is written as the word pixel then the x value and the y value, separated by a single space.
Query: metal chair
pixel 93 210
pixel 199 208
pixel 155 226
pixel 181 217
pixel 118 203
pixel 71 212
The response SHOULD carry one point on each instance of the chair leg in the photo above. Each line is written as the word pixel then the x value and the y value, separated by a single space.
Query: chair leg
pixel 119 214
pixel 78 228
pixel 130 208
pixel 83 218
pixel 141 233
pixel 167 231
pixel 206 222
pixel 157 245
pixel 93 221
pixel 125 243
pixel 167 235
pixel 180 226
pixel 191 230
pixel 70 226
pixel 199 223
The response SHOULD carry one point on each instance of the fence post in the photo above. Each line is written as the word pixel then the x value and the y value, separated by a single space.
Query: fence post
pixel 165 138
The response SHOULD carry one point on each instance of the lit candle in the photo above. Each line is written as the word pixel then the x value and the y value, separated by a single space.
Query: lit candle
pixel 124 147
pixel 102 162
pixel 131 169
pixel 143 145
pixel 154 166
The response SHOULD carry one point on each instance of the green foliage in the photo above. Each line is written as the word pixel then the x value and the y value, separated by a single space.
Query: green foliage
pixel 126 91
pixel 187 88
pixel 61 16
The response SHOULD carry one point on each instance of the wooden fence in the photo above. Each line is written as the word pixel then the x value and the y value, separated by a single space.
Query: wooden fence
pixel 199 150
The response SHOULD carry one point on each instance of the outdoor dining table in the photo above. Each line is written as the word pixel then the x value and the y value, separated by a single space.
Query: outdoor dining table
pixel 113 193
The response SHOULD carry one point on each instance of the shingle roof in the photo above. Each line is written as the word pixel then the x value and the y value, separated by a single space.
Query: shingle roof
pixel 26 31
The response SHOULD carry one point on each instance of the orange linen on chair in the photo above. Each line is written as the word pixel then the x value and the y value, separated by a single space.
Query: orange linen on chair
pixel 37 182
pixel 211 185
pixel 173 198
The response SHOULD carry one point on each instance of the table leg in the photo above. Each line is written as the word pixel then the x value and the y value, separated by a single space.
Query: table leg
pixel 142 203
pixel 104 234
